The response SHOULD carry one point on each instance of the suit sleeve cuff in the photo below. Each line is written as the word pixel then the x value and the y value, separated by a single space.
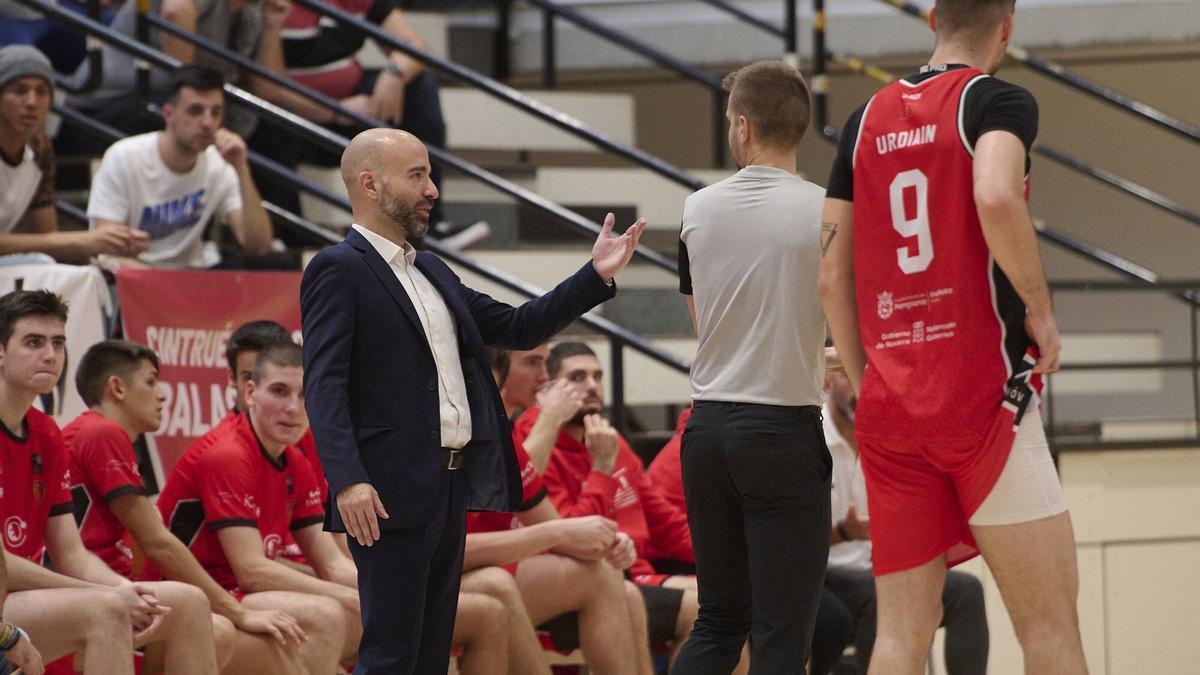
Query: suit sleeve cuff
pixel 603 288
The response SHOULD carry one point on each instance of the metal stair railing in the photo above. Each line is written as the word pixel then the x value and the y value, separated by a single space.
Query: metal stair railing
pixel 552 10
pixel 1078 82
pixel 509 95
pixel 325 137
pixel 618 336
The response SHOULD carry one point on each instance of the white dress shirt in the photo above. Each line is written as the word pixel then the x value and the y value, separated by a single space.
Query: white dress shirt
pixel 440 331
pixel 848 486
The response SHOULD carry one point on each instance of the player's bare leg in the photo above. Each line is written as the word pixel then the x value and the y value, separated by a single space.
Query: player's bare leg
pixel 688 609
pixel 481 629
pixel 525 653
pixel 61 621
pixel 636 605
pixel 553 584
pixel 1035 568
pixel 321 619
pixel 908 610
pixel 186 633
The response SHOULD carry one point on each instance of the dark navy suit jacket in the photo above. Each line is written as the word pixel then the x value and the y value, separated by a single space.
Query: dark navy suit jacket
pixel 371 384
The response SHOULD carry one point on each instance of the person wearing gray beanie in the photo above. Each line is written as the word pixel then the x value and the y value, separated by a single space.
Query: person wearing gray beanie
pixel 24 61
pixel 28 219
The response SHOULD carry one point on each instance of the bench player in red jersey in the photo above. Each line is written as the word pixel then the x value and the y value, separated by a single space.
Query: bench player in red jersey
pixel 82 604
pixel 118 380
pixel 938 305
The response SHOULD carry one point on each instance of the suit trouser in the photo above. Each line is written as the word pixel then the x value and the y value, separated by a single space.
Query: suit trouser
pixel 756 479
pixel 408 589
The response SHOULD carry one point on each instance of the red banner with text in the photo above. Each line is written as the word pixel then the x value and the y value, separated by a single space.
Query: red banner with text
pixel 186 317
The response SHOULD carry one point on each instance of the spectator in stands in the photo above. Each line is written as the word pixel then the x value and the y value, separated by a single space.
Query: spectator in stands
pixel 249 28
pixel 172 617
pixel 593 471
pixel 118 381
pixel 170 184
pixel 28 219
pixel 526 384
pixel 322 55
pixel 16 649
pixel 849 575
pixel 65 46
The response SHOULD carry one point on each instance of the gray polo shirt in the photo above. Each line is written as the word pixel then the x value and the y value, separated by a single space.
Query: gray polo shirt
pixel 748 254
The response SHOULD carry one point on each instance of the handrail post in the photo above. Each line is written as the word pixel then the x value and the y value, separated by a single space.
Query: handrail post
pixel 719 141
pixel 617 363
pixel 548 65
pixel 791 41
pixel 1195 366
pixel 820 84
pixel 142 31
pixel 501 65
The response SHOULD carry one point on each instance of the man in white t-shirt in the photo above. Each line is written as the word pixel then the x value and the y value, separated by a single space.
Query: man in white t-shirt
pixel 849 575
pixel 170 184
pixel 28 220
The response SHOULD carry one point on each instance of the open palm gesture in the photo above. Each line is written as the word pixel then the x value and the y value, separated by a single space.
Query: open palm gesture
pixel 610 253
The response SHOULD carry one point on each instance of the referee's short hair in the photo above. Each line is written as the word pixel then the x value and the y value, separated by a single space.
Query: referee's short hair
pixel 970 17
pixel 774 97
pixel 565 350
pixel 105 359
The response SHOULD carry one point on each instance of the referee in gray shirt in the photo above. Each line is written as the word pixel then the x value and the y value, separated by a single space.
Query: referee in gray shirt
pixel 755 467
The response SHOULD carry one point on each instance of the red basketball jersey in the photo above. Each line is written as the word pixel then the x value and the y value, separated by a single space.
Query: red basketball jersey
pixel 940 323
pixel 34 483
pixel 228 479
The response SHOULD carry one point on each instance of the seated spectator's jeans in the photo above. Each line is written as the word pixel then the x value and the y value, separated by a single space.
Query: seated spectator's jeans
pixel 422 118
pixel 63 45
pixel 5 666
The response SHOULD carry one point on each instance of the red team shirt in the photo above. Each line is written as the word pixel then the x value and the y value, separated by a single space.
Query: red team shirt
pixel 658 528
pixel 227 479
pixel 665 471
pixel 941 325
pixel 533 491
pixel 103 467
pixel 34 484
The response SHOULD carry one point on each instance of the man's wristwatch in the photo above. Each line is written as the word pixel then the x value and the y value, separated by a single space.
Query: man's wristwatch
pixel 395 69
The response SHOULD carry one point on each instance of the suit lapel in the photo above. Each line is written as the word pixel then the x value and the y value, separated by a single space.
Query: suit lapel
pixel 387 277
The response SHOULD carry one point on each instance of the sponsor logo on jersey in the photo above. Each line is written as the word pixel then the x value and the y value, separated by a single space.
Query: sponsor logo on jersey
pixel 272 545
pixel 883 305
pixel 14 531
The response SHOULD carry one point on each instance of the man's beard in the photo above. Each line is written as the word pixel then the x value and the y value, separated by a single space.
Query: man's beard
pixel 404 215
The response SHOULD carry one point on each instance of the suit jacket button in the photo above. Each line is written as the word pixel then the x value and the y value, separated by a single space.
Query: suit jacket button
pixel 432 386
pixel 435 435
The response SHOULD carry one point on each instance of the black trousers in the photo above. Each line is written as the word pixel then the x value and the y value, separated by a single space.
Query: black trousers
pixel 756 479
pixel 408 590
pixel 963 616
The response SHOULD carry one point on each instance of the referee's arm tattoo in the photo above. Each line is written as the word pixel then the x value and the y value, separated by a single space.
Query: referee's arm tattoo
pixel 828 231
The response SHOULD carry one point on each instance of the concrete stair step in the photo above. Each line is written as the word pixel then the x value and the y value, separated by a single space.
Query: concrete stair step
pixel 478 121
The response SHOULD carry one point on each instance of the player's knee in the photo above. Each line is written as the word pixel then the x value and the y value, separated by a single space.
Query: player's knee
pixel 104 612
pixel 181 597
pixel 224 633
pixel 496 583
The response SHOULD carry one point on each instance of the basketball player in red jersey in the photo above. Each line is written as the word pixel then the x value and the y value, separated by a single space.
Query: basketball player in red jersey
pixel 936 299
